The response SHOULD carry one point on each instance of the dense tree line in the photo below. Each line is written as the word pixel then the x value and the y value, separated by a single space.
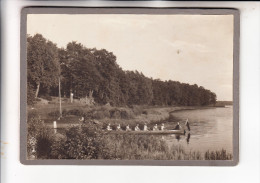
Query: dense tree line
pixel 88 70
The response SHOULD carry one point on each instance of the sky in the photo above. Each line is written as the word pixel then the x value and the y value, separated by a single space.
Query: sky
pixel 194 49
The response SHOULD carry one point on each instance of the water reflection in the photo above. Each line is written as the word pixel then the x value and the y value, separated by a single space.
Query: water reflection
pixel 175 136
pixel 188 138
pixel 178 137
pixel 211 129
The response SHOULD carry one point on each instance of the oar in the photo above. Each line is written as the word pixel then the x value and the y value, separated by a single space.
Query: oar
pixel 187 124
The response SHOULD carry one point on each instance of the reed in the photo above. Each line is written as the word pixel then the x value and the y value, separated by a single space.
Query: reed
pixel 142 147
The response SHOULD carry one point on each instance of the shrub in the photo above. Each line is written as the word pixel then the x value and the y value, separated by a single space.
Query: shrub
pixel 100 114
pixel 121 114
pixel 44 142
pixel 137 110
pixel 76 112
pixel 34 123
pixel 83 142
pixel 54 114
pixel 115 113
pixel 46 97
pixel 97 113
pixel 64 112
pixel 127 114
pixel 42 136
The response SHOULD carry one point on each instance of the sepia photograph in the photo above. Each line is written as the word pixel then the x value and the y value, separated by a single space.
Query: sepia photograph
pixel 130 86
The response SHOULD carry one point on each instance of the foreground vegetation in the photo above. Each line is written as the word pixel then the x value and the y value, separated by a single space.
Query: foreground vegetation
pixel 88 141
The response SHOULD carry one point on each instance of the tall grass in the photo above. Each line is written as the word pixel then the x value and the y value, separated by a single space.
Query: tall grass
pixel 218 155
pixel 142 147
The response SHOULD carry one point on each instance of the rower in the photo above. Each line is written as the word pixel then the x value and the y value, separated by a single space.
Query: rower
pixel 162 127
pixel 137 128
pixel 128 128
pixel 108 127
pixel 187 124
pixel 81 119
pixel 118 128
pixel 155 128
pixel 145 127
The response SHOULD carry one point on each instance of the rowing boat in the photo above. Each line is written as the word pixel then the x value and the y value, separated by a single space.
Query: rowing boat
pixel 159 132
pixel 141 132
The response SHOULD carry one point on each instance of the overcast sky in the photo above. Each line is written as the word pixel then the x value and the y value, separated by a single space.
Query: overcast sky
pixel 194 49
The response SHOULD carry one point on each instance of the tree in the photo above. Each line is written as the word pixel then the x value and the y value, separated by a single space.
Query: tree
pixel 42 63
pixel 92 72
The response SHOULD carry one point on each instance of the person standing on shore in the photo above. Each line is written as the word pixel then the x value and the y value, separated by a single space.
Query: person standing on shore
pixel 71 97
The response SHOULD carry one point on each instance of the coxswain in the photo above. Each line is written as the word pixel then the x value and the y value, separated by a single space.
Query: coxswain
pixel 178 126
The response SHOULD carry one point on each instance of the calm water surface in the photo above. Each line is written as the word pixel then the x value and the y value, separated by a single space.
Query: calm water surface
pixel 211 129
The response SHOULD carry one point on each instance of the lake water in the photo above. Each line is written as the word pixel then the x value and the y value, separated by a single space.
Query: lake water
pixel 211 129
